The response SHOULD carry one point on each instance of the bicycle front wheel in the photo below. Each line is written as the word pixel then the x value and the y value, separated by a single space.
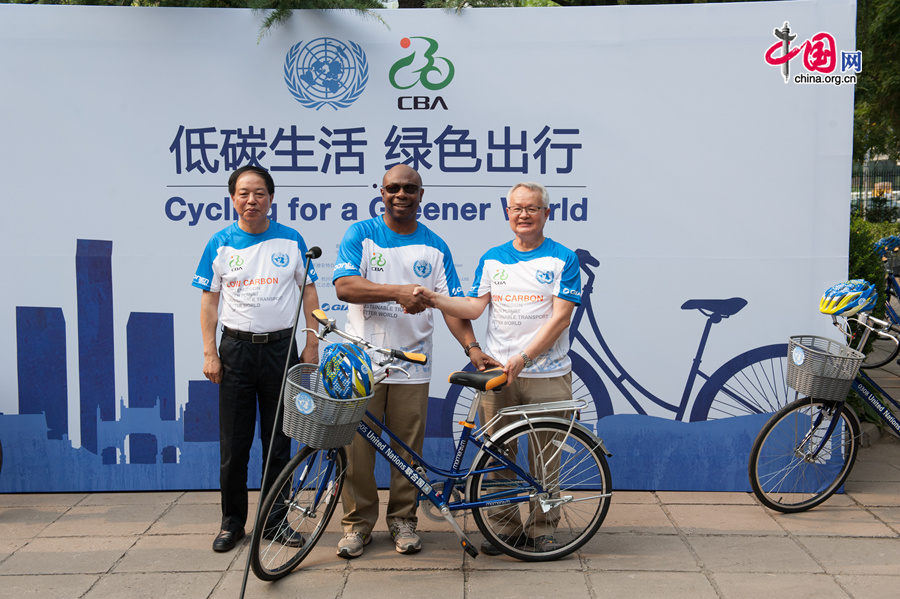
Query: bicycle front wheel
pixel 557 518
pixel 296 511
pixel 799 459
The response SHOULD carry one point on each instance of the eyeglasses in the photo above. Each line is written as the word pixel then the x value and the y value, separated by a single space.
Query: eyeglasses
pixel 395 188
pixel 530 210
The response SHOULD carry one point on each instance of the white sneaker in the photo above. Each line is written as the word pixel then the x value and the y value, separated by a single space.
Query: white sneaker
pixel 405 538
pixel 352 543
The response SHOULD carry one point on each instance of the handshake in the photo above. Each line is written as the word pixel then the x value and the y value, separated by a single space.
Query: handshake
pixel 415 298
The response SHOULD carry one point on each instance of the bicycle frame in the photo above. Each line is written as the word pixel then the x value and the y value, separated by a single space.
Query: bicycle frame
pixel 617 373
pixel 453 476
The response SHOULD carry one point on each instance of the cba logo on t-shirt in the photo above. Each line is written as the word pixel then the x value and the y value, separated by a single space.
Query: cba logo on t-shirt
pixel 280 259
pixel 422 268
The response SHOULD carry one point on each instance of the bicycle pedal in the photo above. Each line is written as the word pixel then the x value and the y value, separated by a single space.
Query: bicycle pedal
pixel 469 548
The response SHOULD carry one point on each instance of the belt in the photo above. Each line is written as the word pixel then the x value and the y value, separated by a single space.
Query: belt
pixel 257 337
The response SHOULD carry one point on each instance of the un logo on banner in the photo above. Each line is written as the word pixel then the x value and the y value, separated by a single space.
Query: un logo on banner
pixel 326 72
pixel 422 268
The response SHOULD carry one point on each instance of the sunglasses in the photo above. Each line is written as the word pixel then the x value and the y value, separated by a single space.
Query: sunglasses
pixel 395 188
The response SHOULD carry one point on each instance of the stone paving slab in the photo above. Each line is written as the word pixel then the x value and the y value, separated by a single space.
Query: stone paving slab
pixel 141 498
pixel 634 497
pixel 189 518
pixel 174 553
pixel 27 522
pixel 876 493
pixel 870 587
pixel 78 555
pixel 193 585
pixel 59 586
pixel 752 554
pixel 671 585
pixel 109 520
pixel 741 586
pixel 638 517
pixel 692 497
pixel 724 519
pixel 498 584
pixel 406 585
pixel 40 499
pixel 316 584
pixel 854 556
pixel 607 551
pixel 831 520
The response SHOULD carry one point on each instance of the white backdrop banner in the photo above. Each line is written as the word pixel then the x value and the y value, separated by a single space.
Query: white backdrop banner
pixel 697 161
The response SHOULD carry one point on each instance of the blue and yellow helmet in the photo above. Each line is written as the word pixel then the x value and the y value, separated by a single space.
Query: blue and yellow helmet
pixel 848 298
pixel 346 371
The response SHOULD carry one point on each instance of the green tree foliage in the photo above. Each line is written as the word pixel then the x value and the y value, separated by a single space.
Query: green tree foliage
pixel 877 114
pixel 273 12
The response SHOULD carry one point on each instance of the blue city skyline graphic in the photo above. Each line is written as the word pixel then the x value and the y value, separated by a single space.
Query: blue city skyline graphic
pixel 151 445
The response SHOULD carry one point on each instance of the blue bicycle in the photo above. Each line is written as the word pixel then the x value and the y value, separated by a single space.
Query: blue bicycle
pixel 538 485
pixel 883 348
pixel 751 383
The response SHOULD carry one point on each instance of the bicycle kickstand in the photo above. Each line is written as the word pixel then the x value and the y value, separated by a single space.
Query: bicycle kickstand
pixel 463 539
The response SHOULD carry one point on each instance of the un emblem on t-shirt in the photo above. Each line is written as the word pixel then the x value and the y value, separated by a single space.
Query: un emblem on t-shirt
pixel 544 276
pixel 326 72
pixel 280 259
pixel 422 268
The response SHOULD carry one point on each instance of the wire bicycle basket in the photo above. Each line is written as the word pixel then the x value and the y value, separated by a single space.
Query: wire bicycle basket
pixel 314 418
pixel 821 368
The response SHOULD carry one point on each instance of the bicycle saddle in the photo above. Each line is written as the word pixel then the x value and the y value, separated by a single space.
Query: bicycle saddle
pixel 485 380
pixel 717 309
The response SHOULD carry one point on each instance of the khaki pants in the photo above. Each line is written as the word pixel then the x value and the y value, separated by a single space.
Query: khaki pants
pixel 507 520
pixel 403 408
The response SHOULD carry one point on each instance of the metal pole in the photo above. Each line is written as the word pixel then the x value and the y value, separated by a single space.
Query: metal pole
pixel 314 252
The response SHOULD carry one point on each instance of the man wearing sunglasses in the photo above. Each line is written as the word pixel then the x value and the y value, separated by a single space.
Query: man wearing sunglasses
pixel 532 285
pixel 380 262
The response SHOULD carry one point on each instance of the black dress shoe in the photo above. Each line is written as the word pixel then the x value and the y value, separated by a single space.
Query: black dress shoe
pixel 227 539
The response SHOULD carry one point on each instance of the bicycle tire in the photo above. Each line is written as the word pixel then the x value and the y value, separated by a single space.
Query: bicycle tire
pixel 582 474
pixel 754 382
pixel 783 474
pixel 291 508
pixel 586 385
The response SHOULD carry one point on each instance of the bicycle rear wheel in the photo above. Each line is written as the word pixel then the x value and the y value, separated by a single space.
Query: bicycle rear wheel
pixel 799 460
pixel 574 475
pixel 296 511
pixel 878 351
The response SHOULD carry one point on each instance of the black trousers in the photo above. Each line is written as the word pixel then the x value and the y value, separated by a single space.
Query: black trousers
pixel 251 377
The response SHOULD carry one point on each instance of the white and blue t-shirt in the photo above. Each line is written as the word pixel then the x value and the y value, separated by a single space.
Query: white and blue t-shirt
pixel 373 251
pixel 257 275
pixel 522 286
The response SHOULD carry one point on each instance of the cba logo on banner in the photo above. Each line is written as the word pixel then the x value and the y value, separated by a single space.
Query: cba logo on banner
pixel 435 74
pixel 326 72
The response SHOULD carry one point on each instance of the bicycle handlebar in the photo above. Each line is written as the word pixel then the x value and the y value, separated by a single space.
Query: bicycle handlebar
pixel 393 354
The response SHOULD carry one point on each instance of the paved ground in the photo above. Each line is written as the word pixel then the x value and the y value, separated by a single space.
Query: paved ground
pixel 662 544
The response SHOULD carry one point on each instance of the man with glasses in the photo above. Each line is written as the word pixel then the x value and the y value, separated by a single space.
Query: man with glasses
pixel 380 262
pixel 532 285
